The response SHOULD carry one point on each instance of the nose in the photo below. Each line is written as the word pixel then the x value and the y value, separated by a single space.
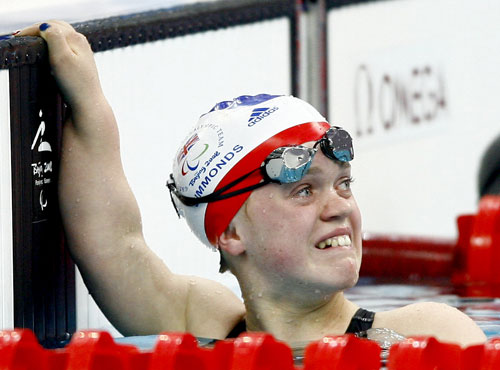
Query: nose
pixel 336 206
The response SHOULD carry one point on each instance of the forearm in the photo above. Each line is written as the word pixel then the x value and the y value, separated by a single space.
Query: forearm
pixel 97 205
pixel 94 122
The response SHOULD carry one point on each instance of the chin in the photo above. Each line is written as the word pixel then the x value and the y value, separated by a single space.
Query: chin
pixel 337 285
pixel 353 282
pixel 350 280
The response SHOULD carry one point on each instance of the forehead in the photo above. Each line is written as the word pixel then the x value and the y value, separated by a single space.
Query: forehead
pixel 322 164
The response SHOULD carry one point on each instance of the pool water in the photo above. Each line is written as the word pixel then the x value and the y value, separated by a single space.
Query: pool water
pixel 379 296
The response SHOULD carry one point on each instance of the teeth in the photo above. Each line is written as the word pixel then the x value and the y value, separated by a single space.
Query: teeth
pixel 341 240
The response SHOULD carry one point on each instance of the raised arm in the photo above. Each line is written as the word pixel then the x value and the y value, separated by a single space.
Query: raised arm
pixel 133 287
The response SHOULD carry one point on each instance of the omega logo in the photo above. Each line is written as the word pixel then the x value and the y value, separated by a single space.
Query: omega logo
pixel 392 101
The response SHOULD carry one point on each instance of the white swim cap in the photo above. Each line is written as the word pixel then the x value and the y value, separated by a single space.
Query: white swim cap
pixel 232 139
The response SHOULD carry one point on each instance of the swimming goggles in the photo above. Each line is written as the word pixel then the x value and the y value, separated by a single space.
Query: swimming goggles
pixel 284 165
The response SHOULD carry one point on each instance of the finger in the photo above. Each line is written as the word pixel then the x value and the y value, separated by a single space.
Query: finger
pixel 59 29
pixel 32 30
pixel 37 28
pixel 61 24
pixel 60 36
pixel 56 36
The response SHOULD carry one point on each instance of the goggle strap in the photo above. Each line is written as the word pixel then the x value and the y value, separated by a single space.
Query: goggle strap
pixel 218 195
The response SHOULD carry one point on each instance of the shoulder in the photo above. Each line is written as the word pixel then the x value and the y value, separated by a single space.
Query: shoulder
pixel 439 320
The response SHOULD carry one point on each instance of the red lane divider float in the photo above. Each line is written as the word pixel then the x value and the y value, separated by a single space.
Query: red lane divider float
pixel 252 351
pixel 19 349
pixel 425 353
pixel 469 261
pixel 95 350
pixel 345 352
pixel 478 249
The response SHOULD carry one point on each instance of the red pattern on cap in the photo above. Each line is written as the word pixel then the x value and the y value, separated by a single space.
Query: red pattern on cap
pixel 219 214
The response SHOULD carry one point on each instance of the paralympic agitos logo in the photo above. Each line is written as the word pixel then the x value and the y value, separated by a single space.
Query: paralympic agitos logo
pixel 190 154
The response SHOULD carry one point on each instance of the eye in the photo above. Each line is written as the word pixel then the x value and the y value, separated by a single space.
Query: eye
pixel 345 184
pixel 303 192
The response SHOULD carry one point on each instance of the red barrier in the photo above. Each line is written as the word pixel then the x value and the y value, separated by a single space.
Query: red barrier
pixel 490 357
pixel 19 349
pixel 223 354
pixel 93 350
pixel 424 353
pixel 96 350
pixel 470 261
pixel 472 358
pixel 342 352
pixel 397 256
pixel 479 250
pixel 482 357
pixel 179 351
pixel 260 351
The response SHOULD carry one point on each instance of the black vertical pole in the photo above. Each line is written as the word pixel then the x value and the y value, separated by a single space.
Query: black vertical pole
pixel 44 291
pixel 295 47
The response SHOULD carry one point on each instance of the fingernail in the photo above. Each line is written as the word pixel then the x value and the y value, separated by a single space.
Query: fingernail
pixel 5 37
pixel 44 26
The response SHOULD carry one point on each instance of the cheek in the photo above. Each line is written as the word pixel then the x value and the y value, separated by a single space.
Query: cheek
pixel 278 260
pixel 280 226
pixel 279 235
pixel 355 216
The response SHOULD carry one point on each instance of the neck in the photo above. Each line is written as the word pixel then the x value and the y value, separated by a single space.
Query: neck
pixel 294 320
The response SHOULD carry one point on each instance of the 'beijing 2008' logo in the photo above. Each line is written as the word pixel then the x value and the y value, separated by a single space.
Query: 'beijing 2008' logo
pixel 195 152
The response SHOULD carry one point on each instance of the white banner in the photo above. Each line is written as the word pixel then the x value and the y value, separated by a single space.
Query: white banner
pixel 416 82
pixel 6 270
pixel 398 93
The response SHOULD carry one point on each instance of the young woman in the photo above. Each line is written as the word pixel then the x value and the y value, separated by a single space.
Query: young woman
pixel 264 179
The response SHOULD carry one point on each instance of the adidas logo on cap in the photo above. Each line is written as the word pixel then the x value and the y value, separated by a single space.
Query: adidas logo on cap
pixel 258 114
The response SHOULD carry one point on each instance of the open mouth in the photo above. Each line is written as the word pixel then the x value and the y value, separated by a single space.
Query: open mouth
pixel 336 241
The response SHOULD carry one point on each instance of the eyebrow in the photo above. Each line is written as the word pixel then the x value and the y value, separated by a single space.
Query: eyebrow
pixel 314 170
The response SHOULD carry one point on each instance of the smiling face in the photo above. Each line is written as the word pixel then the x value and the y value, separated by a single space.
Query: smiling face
pixel 305 235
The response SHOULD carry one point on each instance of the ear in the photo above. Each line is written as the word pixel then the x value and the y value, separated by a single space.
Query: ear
pixel 230 242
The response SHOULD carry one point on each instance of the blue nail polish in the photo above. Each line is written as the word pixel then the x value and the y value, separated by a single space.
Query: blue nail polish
pixel 44 26
pixel 5 37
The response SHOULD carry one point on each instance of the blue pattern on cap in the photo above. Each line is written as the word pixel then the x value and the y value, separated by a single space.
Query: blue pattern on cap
pixel 243 100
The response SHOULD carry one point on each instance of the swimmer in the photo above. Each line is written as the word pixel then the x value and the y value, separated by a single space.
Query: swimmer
pixel 280 211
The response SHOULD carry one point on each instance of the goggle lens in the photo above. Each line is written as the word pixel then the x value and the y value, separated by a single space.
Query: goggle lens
pixel 288 164
pixel 337 144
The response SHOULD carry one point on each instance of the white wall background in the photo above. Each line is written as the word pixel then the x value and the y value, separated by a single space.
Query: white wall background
pixel 6 268
pixel 415 178
pixel 158 91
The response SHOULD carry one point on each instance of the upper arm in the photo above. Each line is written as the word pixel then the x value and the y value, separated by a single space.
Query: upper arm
pixel 439 320
pixel 130 283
